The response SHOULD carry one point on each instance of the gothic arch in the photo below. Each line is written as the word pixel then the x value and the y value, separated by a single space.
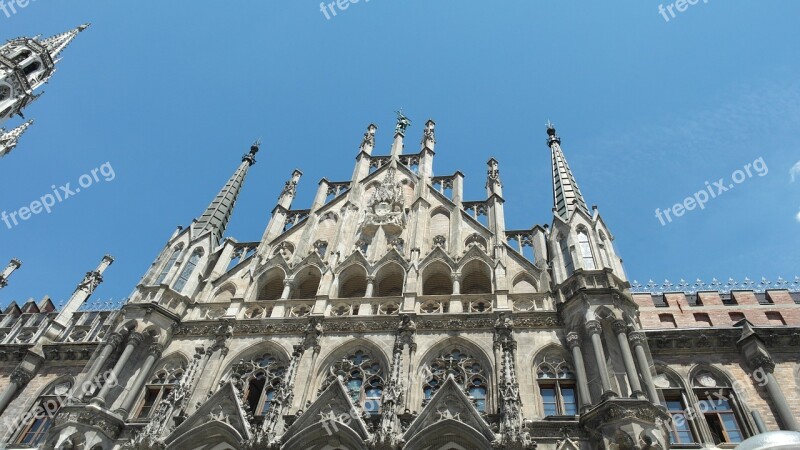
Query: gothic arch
pixel 224 436
pixel 476 277
pixel 225 293
pixel 322 370
pixel 523 283
pixel 323 436
pixel 436 278
pixel 270 284
pixel 442 347
pixel 448 434
pixel 389 280
pixel 352 281
pixel 266 346
pixel 306 282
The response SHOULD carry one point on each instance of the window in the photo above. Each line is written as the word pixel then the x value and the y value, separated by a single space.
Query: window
pixel 667 321
pixel 467 372
pixel 586 251
pixel 21 56
pixel 702 319
pixel 362 376
pixel 557 387
pixel 159 388
pixel 259 380
pixel 188 269
pixel 42 415
pixel 32 67
pixel 719 407
pixel 674 400
pixel 5 92
pixel 171 262
pixel 775 318
pixel 567 256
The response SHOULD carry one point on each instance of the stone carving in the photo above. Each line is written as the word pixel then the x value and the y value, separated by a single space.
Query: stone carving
pixel 385 208
pixel 312 335
pixel 402 123
pixel 90 281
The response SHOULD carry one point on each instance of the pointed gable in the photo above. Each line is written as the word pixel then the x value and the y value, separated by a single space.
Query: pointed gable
pixel 223 409
pixel 333 406
pixel 449 404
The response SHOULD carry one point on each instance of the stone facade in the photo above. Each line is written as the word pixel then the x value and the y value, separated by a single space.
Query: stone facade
pixel 395 314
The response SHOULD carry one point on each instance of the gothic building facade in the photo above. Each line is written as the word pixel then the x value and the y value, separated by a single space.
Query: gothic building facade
pixel 393 313
pixel 26 64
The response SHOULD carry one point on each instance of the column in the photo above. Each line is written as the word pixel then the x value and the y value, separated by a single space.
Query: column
pixel 767 365
pixel 133 341
pixel 370 287
pixel 637 338
pixel 456 283
pixel 83 390
pixel 287 289
pixel 584 397
pixel 621 330
pixel 594 328
pixel 153 353
pixel 19 378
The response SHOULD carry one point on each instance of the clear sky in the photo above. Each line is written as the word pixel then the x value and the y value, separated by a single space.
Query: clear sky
pixel 171 94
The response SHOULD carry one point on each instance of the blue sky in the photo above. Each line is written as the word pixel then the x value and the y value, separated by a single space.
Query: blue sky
pixel 171 94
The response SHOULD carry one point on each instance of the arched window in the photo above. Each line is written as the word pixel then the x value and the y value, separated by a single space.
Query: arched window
pixel 161 385
pixel 5 92
pixel 32 67
pixel 674 399
pixel 188 269
pixel 272 284
pixel 389 281
pixel 307 283
pixel 476 278
pixel 21 56
pixel 42 415
pixel 436 279
pixel 585 247
pixel 168 266
pixel 566 255
pixel 353 282
pixel 557 387
pixel 363 377
pixel 719 407
pixel 467 372
pixel 259 380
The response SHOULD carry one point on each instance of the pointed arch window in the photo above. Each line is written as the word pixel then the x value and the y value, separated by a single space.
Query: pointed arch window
pixel 21 56
pixel 160 387
pixel 674 399
pixel 168 266
pixel 32 433
pixel 719 407
pixel 259 380
pixel 557 387
pixel 566 255
pixel 587 257
pixel 188 269
pixel 362 375
pixel 32 67
pixel 466 371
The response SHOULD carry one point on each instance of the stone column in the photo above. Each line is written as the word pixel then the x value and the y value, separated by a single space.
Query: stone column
pixel 594 328
pixel 287 289
pixel 81 390
pixel 767 365
pixel 637 338
pixel 370 287
pixel 621 330
pixel 456 283
pixel 584 397
pixel 19 378
pixel 133 341
pixel 153 354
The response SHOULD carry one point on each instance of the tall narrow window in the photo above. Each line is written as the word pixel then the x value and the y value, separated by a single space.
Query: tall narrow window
pixel 719 406
pixel 259 379
pixel 586 251
pixel 362 376
pixel 32 67
pixel 159 388
pixel 557 387
pixel 681 427
pixel 5 92
pixel 188 269
pixel 467 372
pixel 171 262
pixel 32 433
pixel 567 256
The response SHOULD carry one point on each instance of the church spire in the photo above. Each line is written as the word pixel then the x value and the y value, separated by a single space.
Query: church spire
pixel 567 196
pixel 216 216
pixel 56 44
pixel 8 140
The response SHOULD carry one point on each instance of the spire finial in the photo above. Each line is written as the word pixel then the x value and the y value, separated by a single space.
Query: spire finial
pixel 567 196
pixel 403 122
pixel 251 157
pixel 552 136
pixel 56 44
pixel 9 140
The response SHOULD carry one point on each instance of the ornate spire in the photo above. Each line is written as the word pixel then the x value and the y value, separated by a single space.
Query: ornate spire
pixel 216 216
pixel 566 195
pixel 8 140
pixel 56 44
